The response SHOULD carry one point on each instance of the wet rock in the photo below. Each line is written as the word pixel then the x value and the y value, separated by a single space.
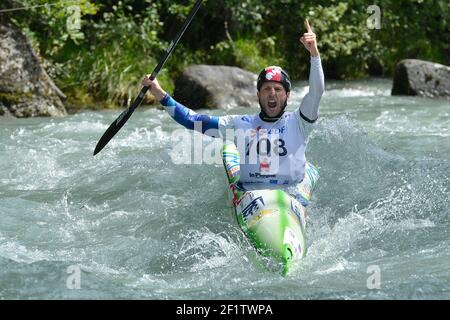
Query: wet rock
pixel 26 90
pixel 421 78
pixel 216 87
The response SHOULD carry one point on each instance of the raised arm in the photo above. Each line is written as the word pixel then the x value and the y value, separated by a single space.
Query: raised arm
pixel 205 124
pixel 309 108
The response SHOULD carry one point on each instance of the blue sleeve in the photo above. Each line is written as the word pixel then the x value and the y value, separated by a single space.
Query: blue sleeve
pixel 205 124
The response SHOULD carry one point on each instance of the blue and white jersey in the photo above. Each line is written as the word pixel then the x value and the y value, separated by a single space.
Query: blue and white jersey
pixel 271 153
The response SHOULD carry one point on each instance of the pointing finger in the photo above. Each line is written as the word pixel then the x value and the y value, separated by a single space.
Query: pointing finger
pixel 308 27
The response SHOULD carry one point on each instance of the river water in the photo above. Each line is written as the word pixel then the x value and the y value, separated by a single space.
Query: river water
pixel 129 223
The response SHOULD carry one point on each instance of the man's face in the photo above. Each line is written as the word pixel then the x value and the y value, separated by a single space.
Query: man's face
pixel 272 97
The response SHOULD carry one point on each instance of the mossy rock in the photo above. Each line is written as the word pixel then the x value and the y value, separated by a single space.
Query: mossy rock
pixel 12 98
pixel 26 90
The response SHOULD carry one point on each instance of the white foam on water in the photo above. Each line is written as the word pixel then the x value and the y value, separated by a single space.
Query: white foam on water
pixel 204 249
pixel 142 227
pixel 19 253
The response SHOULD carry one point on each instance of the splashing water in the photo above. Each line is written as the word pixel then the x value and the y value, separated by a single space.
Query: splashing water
pixel 139 226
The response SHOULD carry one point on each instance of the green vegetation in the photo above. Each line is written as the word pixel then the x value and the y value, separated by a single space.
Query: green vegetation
pixel 9 98
pixel 100 58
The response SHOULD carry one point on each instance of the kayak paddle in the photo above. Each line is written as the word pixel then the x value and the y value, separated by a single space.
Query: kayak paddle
pixel 125 115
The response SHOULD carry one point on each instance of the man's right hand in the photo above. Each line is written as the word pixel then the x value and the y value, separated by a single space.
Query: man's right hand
pixel 154 87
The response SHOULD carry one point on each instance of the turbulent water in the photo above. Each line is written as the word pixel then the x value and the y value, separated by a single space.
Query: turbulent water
pixel 131 224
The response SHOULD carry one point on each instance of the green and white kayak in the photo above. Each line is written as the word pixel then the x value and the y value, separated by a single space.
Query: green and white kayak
pixel 273 220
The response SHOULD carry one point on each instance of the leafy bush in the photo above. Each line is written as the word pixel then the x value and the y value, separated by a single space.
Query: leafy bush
pixel 103 57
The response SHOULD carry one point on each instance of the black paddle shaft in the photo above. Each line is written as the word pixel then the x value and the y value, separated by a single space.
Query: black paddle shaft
pixel 125 115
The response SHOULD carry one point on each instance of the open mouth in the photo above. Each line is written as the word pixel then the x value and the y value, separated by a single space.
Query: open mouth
pixel 272 104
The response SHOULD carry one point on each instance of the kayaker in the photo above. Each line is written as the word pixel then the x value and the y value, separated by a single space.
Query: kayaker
pixel 275 140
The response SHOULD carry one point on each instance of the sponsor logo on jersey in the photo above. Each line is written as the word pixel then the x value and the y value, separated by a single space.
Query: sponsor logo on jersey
pixel 264 165
pixel 277 130
pixel 262 131
pixel 261 176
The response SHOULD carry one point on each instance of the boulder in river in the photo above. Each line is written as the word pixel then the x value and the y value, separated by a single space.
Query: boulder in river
pixel 421 78
pixel 216 87
pixel 26 90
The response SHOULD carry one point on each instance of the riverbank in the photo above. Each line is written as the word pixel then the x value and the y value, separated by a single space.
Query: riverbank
pixel 98 53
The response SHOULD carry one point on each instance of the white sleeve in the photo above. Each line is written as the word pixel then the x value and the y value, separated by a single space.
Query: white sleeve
pixel 309 108
pixel 305 126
